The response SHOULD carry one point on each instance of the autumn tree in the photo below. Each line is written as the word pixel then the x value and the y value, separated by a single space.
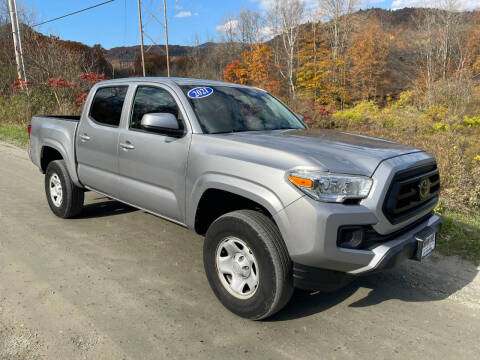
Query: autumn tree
pixel 154 64
pixel 368 54
pixel 339 27
pixel 441 56
pixel 260 67
pixel 255 69
pixel 235 73
pixel 284 18
pixel 250 23
pixel 472 47
pixel 238 32
pixel 314 63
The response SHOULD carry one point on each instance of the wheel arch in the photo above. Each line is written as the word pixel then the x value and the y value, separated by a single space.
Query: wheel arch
pixel 48 154
pixel 52 150
pixel 220 194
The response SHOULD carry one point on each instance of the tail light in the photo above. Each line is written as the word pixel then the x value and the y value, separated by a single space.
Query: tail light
pixel 29 131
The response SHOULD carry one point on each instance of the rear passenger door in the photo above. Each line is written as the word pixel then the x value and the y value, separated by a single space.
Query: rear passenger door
pixel 152 165
pixel 97 140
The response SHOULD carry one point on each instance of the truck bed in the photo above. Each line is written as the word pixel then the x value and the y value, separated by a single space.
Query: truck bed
pixel 54 132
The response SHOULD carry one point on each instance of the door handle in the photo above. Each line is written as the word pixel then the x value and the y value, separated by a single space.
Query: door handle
pixel 84 137
pixel 127 145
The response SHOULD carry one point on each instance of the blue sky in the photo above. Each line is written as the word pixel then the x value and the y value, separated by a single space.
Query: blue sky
pixel 116 23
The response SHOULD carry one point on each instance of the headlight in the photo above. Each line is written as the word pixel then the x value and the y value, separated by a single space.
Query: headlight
pixel 330 187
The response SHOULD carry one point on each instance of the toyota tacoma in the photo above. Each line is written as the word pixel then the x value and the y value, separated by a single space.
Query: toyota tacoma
pixel 281 206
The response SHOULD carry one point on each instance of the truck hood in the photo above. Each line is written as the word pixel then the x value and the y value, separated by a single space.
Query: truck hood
pixel 327 150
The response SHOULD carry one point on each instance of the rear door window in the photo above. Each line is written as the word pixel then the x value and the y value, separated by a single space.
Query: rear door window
pixel 107 105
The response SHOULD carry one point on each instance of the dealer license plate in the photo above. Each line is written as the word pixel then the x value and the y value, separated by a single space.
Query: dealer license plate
pixel 426 243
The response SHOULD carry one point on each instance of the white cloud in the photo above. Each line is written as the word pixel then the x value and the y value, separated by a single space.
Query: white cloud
pixel 195 14
pixel 183 14
pixel 178 7
pixel 266 4
pixel 231 25
pixel 266 32
pixel 456 4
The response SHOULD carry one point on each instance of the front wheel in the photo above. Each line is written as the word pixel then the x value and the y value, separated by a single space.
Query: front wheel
pixel 63 196
pixel 247 264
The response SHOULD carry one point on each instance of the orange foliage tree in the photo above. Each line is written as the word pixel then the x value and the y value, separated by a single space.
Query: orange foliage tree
pixel 235 73
pixel 368 55
pixel 255 69
pixel 314 66
pixel 472 48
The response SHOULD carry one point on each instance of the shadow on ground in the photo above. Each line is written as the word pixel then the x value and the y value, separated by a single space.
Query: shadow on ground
pixel 411 282
pixel 103 207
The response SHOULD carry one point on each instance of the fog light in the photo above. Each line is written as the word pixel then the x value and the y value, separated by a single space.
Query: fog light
pixel 351 237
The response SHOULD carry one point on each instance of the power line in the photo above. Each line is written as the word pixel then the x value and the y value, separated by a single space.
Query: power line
pixel 73 13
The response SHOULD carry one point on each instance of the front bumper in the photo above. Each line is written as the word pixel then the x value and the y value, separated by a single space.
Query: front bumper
pixel 310 231
pixel 387 255
pixel 391 253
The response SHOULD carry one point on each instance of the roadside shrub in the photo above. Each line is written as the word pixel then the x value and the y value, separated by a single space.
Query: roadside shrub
pixel 318 116
pixel 472 121
pixel 474 199
pixel 406 98
pixel 436 113
pixel 441 127
pixel 363 112
pixel 454 94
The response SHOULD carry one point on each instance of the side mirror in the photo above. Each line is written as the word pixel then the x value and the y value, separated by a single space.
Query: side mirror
pixel 164 123
pixel 300 117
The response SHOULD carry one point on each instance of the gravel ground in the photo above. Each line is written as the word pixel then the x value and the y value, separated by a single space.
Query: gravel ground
pixel 118 283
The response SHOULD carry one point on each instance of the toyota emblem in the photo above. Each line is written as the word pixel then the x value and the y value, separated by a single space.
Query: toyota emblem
pixel 424 188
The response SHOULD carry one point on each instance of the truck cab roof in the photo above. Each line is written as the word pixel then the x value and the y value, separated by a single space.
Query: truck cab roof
pixel 172 80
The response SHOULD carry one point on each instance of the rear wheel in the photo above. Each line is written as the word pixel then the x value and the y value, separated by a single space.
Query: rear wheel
pixel 247 264
pixel 64 197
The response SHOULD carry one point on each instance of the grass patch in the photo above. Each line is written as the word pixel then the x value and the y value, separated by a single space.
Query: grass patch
pixel 460 236
pixel 14 133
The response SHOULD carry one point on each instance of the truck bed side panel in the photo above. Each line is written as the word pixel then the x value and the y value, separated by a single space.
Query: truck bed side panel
pixel 57 133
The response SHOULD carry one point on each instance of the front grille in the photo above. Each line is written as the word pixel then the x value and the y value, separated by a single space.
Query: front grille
pixel 411 192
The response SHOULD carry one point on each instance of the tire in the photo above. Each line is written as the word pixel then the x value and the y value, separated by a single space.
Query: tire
pixel 254 235
pixel 64 197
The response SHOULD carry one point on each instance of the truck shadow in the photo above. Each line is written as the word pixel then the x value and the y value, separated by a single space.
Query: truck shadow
pixel 434 280
pixel 102 206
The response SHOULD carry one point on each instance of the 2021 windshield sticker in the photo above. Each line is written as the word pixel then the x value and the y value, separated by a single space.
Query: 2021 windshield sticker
pixel 200 92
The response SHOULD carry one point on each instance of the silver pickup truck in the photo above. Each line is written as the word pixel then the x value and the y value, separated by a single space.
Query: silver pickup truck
pixel 280 206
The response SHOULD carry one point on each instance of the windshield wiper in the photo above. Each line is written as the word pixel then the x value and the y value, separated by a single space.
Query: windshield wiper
pixel 251 130
pixel 228 131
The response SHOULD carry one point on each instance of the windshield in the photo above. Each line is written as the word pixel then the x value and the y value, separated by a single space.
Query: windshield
pixel 222 109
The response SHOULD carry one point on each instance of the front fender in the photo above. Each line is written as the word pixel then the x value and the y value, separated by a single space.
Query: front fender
pixel 239 186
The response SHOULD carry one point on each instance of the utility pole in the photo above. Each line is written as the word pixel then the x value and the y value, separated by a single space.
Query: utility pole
pixel 166 35
pixel 17 41
pixel 141 35
pixel 153 16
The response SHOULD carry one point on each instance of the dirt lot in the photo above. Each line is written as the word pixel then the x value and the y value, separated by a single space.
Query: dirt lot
pixel 119 283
